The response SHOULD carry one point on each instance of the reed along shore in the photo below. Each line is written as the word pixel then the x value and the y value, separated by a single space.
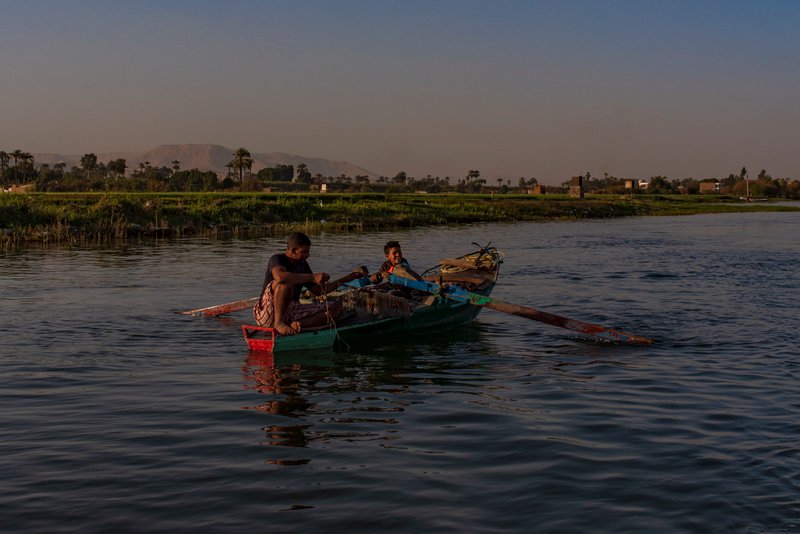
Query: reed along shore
pixel 76 218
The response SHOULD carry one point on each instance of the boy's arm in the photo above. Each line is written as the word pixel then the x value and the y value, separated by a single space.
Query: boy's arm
pixel 382 274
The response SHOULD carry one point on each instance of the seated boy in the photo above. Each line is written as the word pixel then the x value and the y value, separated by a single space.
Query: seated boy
pixel 279 306
pixel 395 264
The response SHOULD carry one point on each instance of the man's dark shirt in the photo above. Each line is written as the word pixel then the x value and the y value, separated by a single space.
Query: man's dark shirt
pixel 301 267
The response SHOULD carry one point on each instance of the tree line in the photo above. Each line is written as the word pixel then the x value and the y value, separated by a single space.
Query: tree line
pixel 737 184
pixel 19 167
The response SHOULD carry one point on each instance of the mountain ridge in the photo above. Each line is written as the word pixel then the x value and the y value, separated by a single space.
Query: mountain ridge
pixel 210 157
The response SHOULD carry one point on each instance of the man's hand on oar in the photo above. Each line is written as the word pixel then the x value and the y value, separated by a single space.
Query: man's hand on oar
pixel 459 294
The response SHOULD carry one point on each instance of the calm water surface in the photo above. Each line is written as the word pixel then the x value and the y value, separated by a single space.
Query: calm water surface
pixel 118 414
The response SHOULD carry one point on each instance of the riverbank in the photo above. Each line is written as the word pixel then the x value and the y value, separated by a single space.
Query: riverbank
pixel 73 218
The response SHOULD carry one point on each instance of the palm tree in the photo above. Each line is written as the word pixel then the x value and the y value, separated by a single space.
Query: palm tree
pixel 117 167
pixel 89 164
pixel 16 156
pixel 5 157
pixel 743 174
pixel 241 162
pixel 303 174
pixel 27 164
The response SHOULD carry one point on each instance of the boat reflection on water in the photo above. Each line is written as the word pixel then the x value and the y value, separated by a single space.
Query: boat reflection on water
pixel 283 386
pixel 312 398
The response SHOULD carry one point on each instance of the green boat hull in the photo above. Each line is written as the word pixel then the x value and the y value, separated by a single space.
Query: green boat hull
pixel 441 314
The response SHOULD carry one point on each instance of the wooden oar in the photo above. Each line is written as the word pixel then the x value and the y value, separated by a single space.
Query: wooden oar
pixel 238 305
pixel 462 295
pixel 220 309
pixel 565 322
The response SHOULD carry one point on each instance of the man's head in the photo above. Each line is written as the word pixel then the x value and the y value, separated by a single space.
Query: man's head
pixel 298 246
pixel 393 252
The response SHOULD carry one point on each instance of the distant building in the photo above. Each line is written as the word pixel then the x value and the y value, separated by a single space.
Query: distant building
pixel 643 184
pixel 576 187
pixel 709 187
pixel 537 189
pixel 631 184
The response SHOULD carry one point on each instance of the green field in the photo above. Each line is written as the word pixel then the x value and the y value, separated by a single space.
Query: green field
pixel 99 217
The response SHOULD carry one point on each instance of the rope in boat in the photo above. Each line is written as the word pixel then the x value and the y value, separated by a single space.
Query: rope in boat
pixel 332 321
pixel 486 258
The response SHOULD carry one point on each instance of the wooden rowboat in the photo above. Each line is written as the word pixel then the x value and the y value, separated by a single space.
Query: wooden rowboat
pixel 385 312
pixel 452 293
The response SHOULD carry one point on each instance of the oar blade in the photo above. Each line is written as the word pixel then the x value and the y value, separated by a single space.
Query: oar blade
pixel 607 334
pixel 222 309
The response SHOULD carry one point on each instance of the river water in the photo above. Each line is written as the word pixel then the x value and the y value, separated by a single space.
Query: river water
pixel 120 415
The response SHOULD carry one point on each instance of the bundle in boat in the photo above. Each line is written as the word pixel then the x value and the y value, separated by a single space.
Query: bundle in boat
pixel 376 303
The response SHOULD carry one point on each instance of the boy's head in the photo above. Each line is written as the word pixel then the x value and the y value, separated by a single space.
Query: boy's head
pixel 393 252
pixel 298 246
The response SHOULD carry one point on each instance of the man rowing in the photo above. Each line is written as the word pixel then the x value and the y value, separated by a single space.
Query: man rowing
pixel 287 273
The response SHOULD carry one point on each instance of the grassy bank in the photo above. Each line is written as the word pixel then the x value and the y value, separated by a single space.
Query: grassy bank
pixel 100 217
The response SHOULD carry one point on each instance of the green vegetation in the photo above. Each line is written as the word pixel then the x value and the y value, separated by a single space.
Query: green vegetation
pixel 99 217
pixel 97 202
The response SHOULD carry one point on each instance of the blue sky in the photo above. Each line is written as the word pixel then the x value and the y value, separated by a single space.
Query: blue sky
pixel 549 89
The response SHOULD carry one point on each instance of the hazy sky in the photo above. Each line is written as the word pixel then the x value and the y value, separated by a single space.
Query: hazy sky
pixel 549 89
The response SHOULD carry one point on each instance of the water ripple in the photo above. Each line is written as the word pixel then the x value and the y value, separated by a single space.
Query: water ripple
pixel 130 417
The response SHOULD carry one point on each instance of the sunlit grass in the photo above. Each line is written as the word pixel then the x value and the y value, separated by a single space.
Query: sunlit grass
pixel 97 217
